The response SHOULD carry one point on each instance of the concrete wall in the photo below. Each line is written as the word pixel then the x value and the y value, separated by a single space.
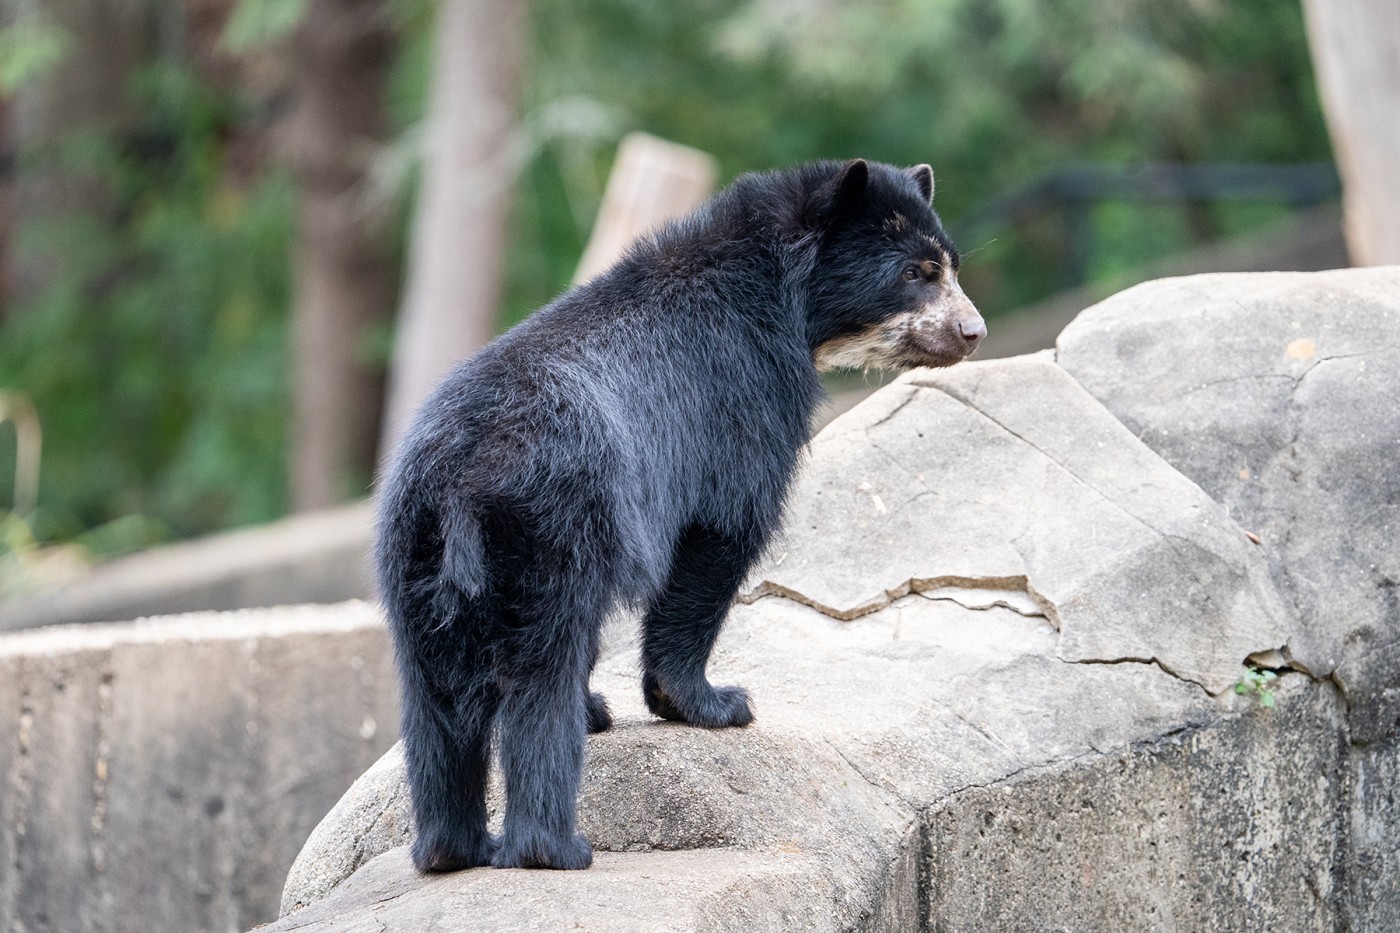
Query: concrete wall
pixel 162 774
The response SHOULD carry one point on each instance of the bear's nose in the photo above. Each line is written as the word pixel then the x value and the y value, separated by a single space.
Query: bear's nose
pixel 973 330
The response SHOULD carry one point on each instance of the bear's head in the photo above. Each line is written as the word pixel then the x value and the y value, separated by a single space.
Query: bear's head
pixel 884 292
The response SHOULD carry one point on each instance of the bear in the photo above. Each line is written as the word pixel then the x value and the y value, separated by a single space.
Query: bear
pixel 630 446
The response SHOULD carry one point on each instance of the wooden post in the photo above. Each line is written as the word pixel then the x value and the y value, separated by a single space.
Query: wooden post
pixel 651 182
pixel 1356 52
pixel 456 263
pixel 17 409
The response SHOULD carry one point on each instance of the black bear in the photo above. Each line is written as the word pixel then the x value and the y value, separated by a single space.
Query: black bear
pixel 631 445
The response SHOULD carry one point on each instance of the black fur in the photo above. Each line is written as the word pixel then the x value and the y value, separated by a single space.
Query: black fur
pixel 628 445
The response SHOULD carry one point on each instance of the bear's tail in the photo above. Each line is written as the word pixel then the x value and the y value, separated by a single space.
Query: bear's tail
pixel 463 549
pixel 429 557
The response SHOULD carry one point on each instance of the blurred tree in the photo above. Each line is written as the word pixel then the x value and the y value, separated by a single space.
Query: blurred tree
pixel 345 270
pixel 457 244
pixel 1356 50
pixel 66 66
pixel 157 354
pixel 6 202
pixel 991 92
pixel 152 349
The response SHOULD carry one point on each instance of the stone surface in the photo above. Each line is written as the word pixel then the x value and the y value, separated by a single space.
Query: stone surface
pixel 864 721
pixel 818 683
pixel 1008 475
pixel 162 774
pixel 316 557
pixel 624 892
pixel 1210 829
pixel 1373 826
pixel 1277 394
pixel 374 816
pixel 859 722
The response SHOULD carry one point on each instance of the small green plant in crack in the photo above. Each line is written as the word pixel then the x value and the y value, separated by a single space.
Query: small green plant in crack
pixel 1257 683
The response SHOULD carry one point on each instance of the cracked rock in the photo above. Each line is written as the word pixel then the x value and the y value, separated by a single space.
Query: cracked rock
pixel 1008 476
pixel 860 725
pixel 1277 394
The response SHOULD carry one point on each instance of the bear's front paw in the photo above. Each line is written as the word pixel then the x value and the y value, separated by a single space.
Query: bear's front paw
pixel 726 706
pixel 700 705
pixel 568 854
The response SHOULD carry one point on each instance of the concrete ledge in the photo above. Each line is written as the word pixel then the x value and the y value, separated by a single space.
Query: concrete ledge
pixel 161 774
pixel 319 557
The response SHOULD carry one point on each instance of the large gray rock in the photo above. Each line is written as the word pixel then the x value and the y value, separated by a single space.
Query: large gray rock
pixel 860 724
pixel 374 816
pixel 624 892
pixel 1373 825
pixel 1277 393
pixel 1181 833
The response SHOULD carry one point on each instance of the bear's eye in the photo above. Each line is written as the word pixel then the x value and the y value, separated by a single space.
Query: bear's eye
pixel 912 273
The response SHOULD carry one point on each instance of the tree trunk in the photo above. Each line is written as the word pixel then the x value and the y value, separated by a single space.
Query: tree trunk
pixel 652 180
pixel 1356 53
pixel 7 210
pixel 86 92
pixel 343 270
pixel 457 258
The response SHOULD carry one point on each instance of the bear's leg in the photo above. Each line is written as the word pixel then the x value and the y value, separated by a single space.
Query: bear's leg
pixel 680 629
pixel 446 744
pixel 543 717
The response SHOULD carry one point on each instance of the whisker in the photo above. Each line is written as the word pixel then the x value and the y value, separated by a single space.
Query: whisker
pixel 983 246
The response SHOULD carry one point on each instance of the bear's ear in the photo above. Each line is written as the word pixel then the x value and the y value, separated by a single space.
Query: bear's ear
pixel 923 177
pixel 851 185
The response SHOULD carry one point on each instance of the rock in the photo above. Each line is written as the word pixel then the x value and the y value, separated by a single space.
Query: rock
pixel 1372 867
pixel 1277 394
pixel 624 892
pixel 914 697
pixel 374 816
pixel 1119 842
pixel 859 723
pixel 1007 475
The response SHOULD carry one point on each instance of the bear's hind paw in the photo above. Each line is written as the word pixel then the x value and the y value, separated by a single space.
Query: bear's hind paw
pixel 569 855
pixel 435 857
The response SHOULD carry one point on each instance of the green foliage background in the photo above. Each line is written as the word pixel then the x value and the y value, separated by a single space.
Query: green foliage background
pixel 157 358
